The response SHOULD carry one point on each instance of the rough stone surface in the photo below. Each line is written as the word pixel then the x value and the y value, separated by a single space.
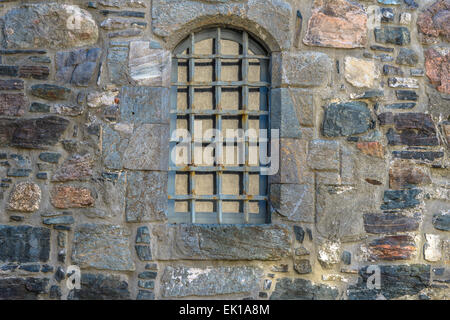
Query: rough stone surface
pixel 392 35
pixel 77 167
pixel 434 20
pixel 437 67
pixel 360 73
pixel 186 281
pixel 293 201
pixel 404 174
pixel 24 244
pixel 103 247
pixel 146 196
pixel 216 242
pixel 432 248
pixel 407 57
pixel 329 253
pixel 302 289
pixel 374 149
pixel 77 67
pixel 22 288
pixel 100 287
pixel 400 199
pixel 146 148
pixel 148 67
pixel 392 248
pixel 323 154
pixel 390 222
pixel 144 105
pixel 396 281
pixel 64 197
pixel 441 221
pixel 338 24
pixel 305 69
pixel 12 104
pixel 36 133
pixel 50 92
pixel 25 196
pixel 49 25
pixel 274 16
pixel 345 119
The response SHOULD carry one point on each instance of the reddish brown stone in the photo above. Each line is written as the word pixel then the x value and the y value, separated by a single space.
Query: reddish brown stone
pixel 78 167
pixel 64 197
pixel 338 24
pixel 435 20
pixel 374 149
pixel 437 66
pixel 390 222
pixel 35 133
pixel 35 72
pixel 403 174
pixel 12 104
pixel 415 129
pixel 392 248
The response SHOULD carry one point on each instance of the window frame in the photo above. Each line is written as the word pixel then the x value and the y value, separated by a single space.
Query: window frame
pixel 261 53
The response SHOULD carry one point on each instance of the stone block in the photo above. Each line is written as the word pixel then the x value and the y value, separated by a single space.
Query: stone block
pixel 390 248
pixel 441 221
pixel 12 104
pixel 391 223
pixel 64 197
pixel 100 287
pixel 148 148
pixel 360 73
pixel 220 242
pixel 78 66
pixel 183 281
pixel 49 25
pixel 24 244
pixel 345 119
pixel 404 174
pixel 293 201
pixel 338 24
pixel 149 67
pixel 23 288
pixel 302 289
pixel 323 155
pixel 392 35
pixel 144 105
pixel 25 196
pixel 146 199
pixel 102 247
pixel 77 167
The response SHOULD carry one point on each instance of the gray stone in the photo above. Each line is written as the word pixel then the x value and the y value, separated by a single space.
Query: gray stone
pixel 323 155
pixel 302 266
pixel 148 148
pixel 113 147
pixel 24 244
pixel 301 289
pixel 141 105
pixel 185 281
pixel 78 66
pixel 143 252
pixel 143 235
pixel 117 62
pixel 65 219
pixel 146 198
pixel 100 287
pixel 283 114
pixel 268 19
pixel 146 284
pixel 293 163
pixel 339 212
pixel 149 67
pixel 396 281
pixel 49 25
pixel 441 221
pixel 220 242
pixel 392 35
pixel 407 57
pixel 345 119
pixel 145 295
pixel 304 69
pixel 103 247
pixel 293 201
pixel 22 288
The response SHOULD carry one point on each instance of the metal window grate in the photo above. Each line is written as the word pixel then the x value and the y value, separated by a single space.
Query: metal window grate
pixel 221 79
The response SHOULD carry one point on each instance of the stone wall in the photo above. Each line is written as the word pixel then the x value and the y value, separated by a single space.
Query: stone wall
pixel 360 93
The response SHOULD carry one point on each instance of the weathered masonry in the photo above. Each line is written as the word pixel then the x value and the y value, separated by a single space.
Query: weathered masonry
pixel 91 93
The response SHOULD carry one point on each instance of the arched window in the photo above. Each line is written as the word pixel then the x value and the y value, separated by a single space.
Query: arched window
pixel 220 81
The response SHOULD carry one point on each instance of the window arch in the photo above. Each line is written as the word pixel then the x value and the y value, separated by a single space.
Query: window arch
pixel 220 81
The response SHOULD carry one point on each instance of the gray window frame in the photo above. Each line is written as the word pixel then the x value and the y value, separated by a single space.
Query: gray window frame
pixel 264 85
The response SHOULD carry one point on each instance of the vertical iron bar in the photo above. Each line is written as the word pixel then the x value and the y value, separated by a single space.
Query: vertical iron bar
pixel 219 153
pixel 245 122
pixel 191 126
